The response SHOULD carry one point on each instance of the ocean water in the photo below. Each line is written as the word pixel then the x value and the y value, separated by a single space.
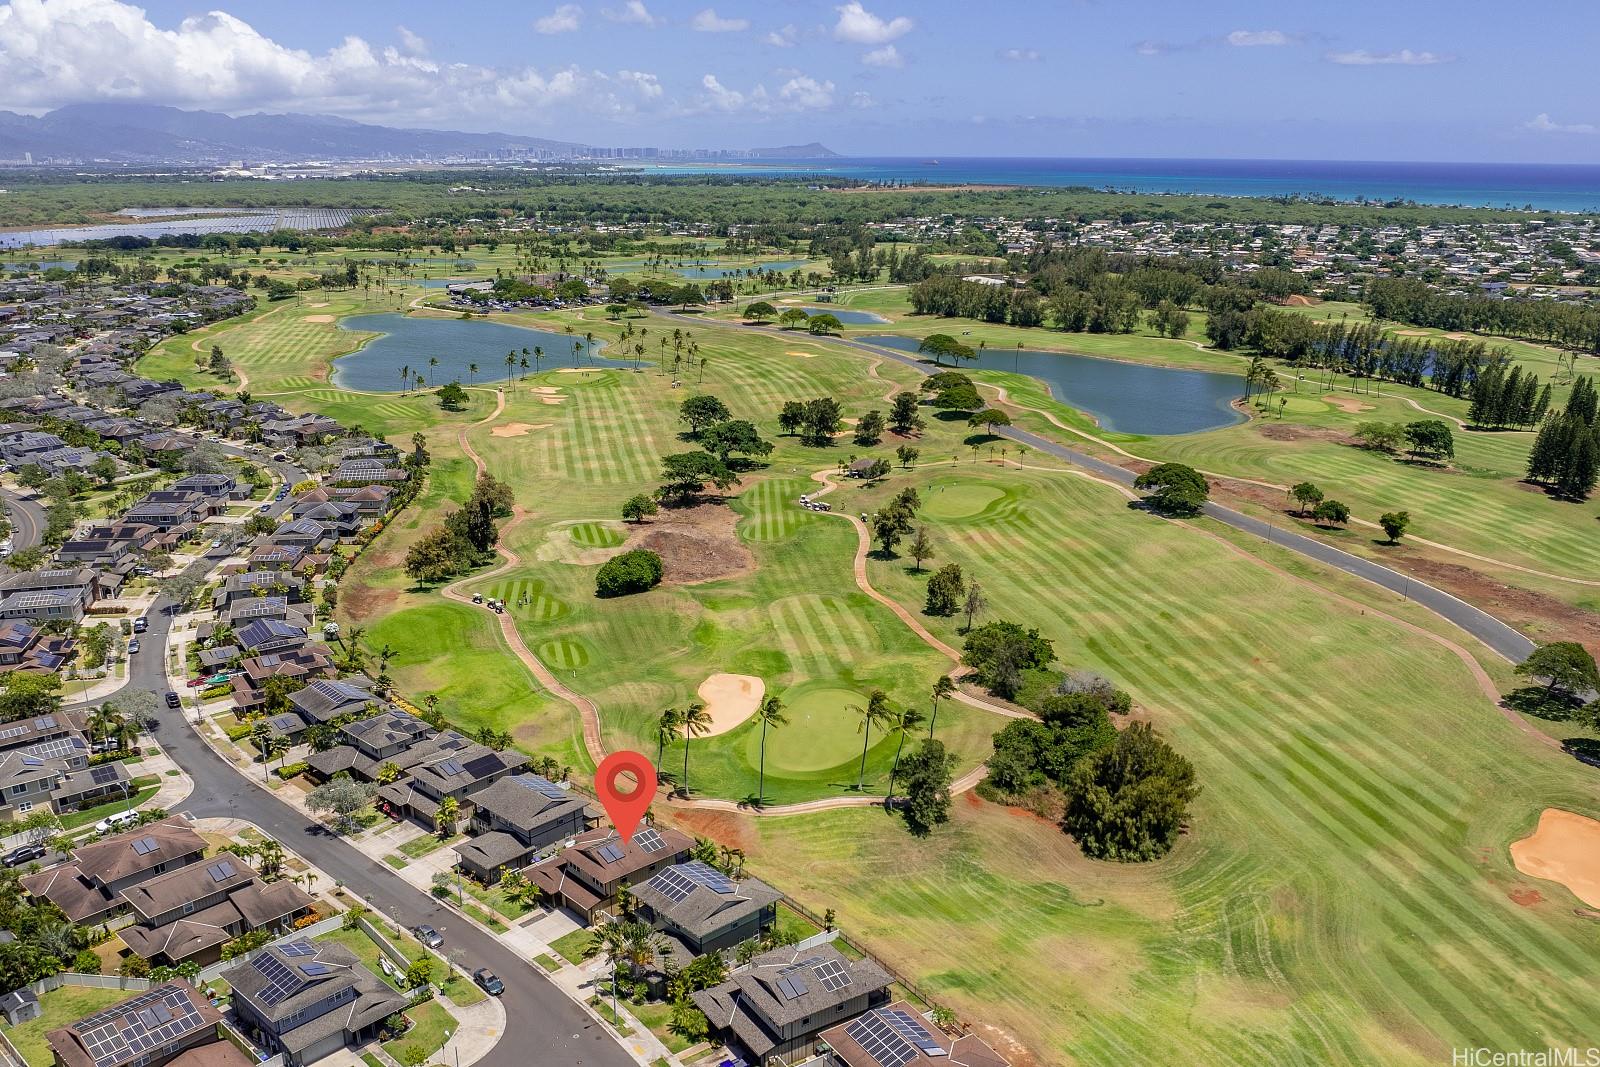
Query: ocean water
pixel 1542 186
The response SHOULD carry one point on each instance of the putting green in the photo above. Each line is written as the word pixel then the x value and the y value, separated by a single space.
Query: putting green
pixel 958 500
pixel 821 731
pixel 596 535
pixel 527 598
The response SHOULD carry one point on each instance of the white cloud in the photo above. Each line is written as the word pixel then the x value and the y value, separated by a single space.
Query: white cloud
pixel 1405 57
pixel 784 37
pixel 862 100
pixel 859 26
pixel 1542 123
pixel 564 19
pixel 1258 38
pixel 412 43
pixel 633 11
pixel 64 51
pixel 1020 55
pixel 887 56
pixel 806 94
pixel 708 21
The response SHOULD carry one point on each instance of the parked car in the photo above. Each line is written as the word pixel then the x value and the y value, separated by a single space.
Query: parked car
pixel 141 624
pixel 111 822
pixel 429 937
pixel 489 983
pixel 264 507
pixel 24 854
pixel 133 647
pixel 172 700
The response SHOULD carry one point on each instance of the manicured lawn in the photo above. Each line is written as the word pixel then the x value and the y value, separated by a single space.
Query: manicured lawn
pixel 61 1007
pixel 73 820
pixel 575 947
pixel 494 897
pixel 549 963
pixel 602 1007
pixel 429 1023
pixel 422 846
pixel 365 949
pixel 655 1016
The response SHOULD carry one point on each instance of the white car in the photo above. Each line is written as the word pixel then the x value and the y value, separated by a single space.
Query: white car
pixel 111 822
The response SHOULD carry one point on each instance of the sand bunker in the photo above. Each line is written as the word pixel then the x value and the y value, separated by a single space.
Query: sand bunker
pixel 1563 848
pixel 808 355
pixel 323 304
pixel 1348 403
pixel 516 429
pixel 317 318
pixel 547 390
pixel 730 699
pixel 552 400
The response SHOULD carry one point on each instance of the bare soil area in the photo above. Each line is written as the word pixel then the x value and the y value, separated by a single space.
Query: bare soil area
pixel 696 544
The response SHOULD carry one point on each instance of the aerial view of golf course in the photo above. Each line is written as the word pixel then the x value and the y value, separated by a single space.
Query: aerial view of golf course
pixel 750 536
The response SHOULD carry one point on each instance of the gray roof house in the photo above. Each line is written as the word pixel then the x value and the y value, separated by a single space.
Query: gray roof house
pixel 779 1002
pixel 705 909
pixel 517 816
pixel 325 700
pixel 307 999
pixel 190 913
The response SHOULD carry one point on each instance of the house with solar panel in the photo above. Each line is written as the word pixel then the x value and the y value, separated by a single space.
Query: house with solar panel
pixel 89 888
pixel 780 1002
pixel 461 775
pixel 896 1036
pixel 28 648
pixel 586 877
pixel 261 636
pixel 55 775
pixel 39 596
pixel 328 699
pixel 172 1023
pixel 517 816
pixel 307 999
pixel 704 910
pixel 190 913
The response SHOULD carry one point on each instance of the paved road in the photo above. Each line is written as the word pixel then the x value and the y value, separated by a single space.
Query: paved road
pixel 1500 637
pixel 543 1026
pixel 27 520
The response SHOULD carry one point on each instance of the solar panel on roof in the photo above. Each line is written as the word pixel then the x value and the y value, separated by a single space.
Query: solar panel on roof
pixel 220 871
pixel 32 761
pixel 483 765
pixel 103 775
pixel 315 969
pixel 146 845
pixel 46 722
pixel 792 986
pixel 832 974
pixel 610 853
pixel 910 1027
pixel 282 983
pixel 541 785
pixel 298 948
pixel 887 1048
pixel 650 840
pixel 449 766
pixel 707 875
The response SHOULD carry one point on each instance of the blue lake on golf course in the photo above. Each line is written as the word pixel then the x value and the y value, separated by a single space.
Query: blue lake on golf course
pixel 845 315
pixel 1125 397
pixel 456 343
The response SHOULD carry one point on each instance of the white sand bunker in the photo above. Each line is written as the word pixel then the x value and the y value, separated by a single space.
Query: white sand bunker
pixel 516 429
pixel 730 699
pixel 323 304
pixel 797 352
pixel 1565 848
pixel 317 318
pixel 552 400
pixel 547 390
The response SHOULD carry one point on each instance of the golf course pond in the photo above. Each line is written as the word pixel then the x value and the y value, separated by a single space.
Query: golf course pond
pixel 407 342
pixel 1125 397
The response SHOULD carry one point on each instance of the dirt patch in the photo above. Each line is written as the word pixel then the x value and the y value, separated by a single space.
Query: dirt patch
pixel 1298 300
pixel 1289 431
pixel 1533 613
pixel 696 544
pixel 1565 848
pixel 517 429
pixel 1411 333
pixel 317 318
pixel 1525 897
pixel 1349 404
pixel 730 699
pixel 724 827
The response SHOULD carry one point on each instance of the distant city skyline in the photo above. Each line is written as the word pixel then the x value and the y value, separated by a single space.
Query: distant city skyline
pixel 1235 79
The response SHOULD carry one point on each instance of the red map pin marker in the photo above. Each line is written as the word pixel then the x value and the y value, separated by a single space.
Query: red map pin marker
pixel 625 809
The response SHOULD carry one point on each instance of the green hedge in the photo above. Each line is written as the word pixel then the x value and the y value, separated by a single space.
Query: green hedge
pixel 291 770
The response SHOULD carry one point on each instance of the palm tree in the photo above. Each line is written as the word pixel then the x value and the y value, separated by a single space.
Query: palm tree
pixel 538 354
pixel 275 745
pixel 405 377
pixel 876 711
pixel 433 361
pixel 385 654
pixel 511 363
pixel 666 730
pixel 445 818
pixel 472 373
pixel 902 723
pixel 269 857
pixel 695 721
pixel 770 713
pixel 942 688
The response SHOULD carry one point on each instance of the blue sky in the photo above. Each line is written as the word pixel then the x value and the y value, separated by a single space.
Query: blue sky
pixel 1468 80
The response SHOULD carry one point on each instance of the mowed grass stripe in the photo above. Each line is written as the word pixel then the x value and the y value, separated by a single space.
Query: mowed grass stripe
pixel 1198 637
